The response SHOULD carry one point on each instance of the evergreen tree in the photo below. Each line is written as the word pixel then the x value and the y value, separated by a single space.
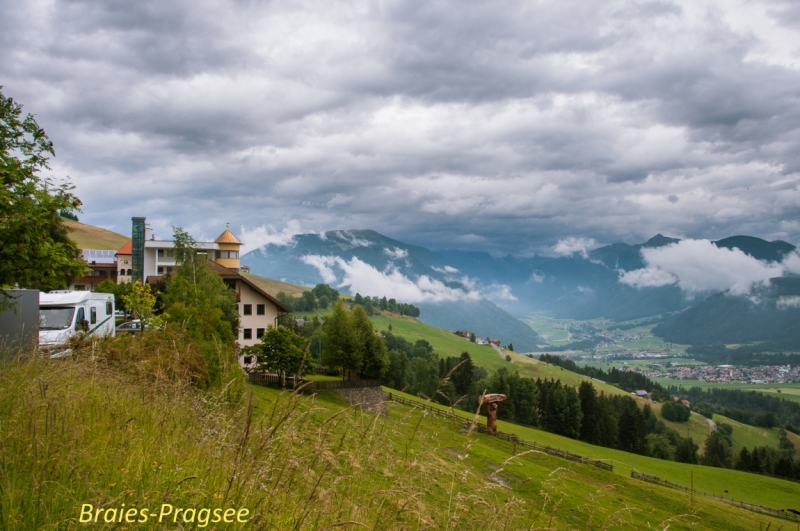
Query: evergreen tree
pixel 632 435
pixel 462 376
pixel 372 349
pixel 606 422
pixel 686 451
pixel 339 342
pixel 397 375
pixel 743 460
pixel 716 451
pixel 590 428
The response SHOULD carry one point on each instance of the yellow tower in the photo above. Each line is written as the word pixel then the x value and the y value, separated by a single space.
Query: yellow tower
pixel 228 254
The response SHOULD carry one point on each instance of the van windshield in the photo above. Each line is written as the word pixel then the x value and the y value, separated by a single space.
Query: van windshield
pixel 55 318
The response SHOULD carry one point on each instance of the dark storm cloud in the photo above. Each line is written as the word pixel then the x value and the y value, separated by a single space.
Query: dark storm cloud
pixel 507 126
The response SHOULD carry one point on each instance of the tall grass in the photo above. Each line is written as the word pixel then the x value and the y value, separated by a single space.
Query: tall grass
pixel 112 425
pixel 128 421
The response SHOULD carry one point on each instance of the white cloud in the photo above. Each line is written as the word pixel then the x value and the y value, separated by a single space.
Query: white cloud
pixel 352 239
pixel 792 263
pixel 537 277
pixel 788 302
pixel 573 245
pixel 497 291
pixel 699 265
pixel 396 253
pixel 360 277
pixel 258 237
pixel 445 269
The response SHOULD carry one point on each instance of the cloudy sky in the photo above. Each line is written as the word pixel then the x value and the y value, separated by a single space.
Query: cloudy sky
pixel 539 126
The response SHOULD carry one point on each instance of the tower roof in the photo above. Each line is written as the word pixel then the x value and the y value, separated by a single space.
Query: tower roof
pixel 227 237
pixel 127 248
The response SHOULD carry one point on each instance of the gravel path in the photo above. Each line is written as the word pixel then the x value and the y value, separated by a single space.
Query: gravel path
pixel 711 423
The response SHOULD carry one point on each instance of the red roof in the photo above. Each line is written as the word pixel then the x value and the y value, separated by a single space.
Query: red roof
pixel 127 248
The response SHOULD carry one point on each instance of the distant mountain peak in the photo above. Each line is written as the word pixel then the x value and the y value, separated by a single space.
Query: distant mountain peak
pixel 659 240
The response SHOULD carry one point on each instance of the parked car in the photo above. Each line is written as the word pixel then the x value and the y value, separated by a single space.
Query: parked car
pixel 131 327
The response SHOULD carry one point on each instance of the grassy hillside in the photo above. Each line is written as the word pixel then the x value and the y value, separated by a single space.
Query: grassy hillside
pixel 89 237
pixel 743 486
pixel 447 344
pixel 83 432
pixel 749 437
pixel 273 287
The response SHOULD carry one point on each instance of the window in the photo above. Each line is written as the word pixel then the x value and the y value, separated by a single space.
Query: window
pixel 93 314
pixel 248 309
pixel 121 271
pixel 79 319
pixel 261 309
pixel 160 270
pixel 248 360
pixel 229 254
pixel 130 272
pixel 170 253
pixel 247 333
pixel 260 332
pixel 80 287
pixel 160 253
pixel 109 309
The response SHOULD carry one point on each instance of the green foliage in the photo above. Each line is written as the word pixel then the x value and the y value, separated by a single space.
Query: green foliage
pixel 36 251
pixel 675 411
pixel 339 341
pixel 69 214
pixel 686 451
pixel 373 353
pixel 197 299
pixel 141 302
pixel 281 351
pixel 120 291
pixel 462 375
pixel 717 452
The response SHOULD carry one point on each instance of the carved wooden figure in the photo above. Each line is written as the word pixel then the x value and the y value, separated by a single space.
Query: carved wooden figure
pixel 491 401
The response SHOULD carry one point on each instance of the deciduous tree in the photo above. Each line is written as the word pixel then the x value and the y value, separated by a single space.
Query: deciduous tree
pixel 36 250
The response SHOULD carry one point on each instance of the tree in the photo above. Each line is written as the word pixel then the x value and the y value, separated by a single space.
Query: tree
pixel 140 301
pixel 281 351
pixel 686 451
pixel 716 451
pixel 462 376
pixel 36 250
pixel 590 428
pixel 339 341
pixel 373 353
pixel 197 299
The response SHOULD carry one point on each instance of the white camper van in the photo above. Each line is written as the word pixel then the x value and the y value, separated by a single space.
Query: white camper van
pixel 62 314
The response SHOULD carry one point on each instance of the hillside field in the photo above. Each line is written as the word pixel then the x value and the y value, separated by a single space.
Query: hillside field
pixel 789 391
pixel 739 485
pixel 90 237
pixel 80 431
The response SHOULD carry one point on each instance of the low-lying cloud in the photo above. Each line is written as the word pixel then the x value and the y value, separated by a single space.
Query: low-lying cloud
pixel 572 245
pixel 359 277
pixel 257 237
pixel 396 253
pixel 699 265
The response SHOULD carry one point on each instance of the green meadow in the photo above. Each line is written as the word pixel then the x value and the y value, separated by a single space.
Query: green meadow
pixel 742 486
pixel 88 439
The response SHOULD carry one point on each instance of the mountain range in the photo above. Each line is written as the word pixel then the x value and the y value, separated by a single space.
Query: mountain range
pixel 477 291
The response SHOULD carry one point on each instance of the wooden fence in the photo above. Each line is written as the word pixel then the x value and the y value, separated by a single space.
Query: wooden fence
pixel 511 437
pixel 273 380
pixel 788 514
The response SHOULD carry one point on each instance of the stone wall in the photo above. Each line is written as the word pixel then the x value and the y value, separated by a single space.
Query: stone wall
pixel 369 398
